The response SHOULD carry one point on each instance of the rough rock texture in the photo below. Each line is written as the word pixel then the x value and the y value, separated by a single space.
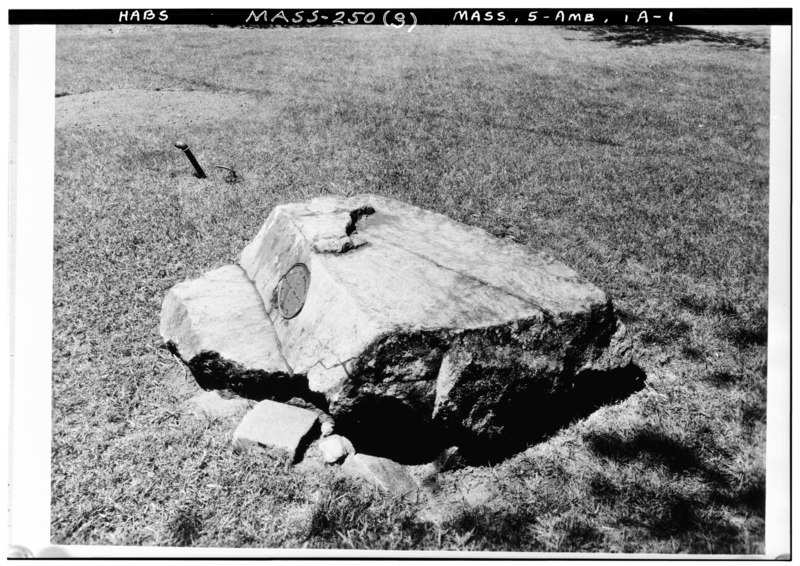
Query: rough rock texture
pixel 275 425
pixel 217 326
pixel 417 332
pixel 415 318
pixel 384 473
pixel 335 448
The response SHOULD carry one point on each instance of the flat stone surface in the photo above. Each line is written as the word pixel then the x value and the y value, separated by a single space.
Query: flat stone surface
pixel 382 472
pixel 410 306
pixel 335 448
pixel 275 425
pixel 414 270
pixel 324 418
pixel 209 405
pixel 217 326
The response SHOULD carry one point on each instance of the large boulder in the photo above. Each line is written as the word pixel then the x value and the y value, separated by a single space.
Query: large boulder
pixel 418 331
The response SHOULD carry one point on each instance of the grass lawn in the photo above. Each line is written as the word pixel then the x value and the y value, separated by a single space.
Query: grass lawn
pixel 642 165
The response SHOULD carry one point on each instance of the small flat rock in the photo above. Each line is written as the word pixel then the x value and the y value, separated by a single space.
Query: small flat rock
pixel 335 448
pixel 275 425
pixel 209 405
pixel 382 472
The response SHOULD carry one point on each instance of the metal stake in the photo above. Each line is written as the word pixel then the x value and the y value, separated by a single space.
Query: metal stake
pixel 183 146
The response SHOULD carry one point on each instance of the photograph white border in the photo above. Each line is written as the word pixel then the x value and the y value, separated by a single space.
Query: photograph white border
pixel 27 294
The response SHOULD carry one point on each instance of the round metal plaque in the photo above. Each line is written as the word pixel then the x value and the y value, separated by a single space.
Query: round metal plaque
pixel 292 290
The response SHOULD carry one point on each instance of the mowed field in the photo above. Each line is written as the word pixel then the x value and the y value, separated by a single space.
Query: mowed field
pixel 642 164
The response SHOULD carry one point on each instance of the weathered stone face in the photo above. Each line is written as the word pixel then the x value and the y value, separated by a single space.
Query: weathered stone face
pixel 409 323
pixel 217 326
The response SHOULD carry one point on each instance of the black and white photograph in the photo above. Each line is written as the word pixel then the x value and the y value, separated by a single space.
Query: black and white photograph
pixel 447 283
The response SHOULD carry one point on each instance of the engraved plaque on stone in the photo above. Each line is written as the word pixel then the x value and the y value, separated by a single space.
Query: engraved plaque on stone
pixel 292 290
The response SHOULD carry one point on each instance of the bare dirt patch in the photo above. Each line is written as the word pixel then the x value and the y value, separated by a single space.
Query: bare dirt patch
pixel 139 108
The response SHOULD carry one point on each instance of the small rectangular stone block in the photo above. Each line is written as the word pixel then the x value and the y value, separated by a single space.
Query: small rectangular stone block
pixel 275 425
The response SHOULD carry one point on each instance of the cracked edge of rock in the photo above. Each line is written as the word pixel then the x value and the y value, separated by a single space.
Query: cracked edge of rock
pixel 349 241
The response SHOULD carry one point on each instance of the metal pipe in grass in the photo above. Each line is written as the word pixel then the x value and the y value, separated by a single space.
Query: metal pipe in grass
pixel 183 146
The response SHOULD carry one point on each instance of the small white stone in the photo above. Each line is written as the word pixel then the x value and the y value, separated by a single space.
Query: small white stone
pixel 326 428
pixel 210 405
pixel 335 448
